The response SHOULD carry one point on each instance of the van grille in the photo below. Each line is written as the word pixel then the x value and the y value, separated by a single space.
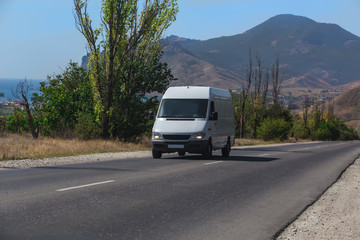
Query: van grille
pixel 180 119
pixel 176 137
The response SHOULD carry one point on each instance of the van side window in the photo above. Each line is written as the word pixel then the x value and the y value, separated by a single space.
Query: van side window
pixel 212 110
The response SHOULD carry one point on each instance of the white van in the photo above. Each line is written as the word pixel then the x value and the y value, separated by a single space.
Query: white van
pixel 194 120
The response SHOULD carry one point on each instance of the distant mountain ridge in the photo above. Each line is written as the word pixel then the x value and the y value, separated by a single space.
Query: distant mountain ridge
pixel 311 54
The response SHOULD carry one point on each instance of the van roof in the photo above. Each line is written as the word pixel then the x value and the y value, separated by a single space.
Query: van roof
pixel 198 92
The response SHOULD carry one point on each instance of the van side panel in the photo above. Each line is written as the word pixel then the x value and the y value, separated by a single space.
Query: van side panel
pixel 225 124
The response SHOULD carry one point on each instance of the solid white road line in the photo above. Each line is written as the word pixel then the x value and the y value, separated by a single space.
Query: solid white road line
pixel 83 186
pixel 210 163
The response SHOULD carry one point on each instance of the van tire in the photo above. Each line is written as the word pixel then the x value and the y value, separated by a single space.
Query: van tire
pixel 208 150
pixel 226 150
pixel 181 154
pixel 156 154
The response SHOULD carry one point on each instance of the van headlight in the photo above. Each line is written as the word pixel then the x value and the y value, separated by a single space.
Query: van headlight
pixel 198 136
pixel 156 136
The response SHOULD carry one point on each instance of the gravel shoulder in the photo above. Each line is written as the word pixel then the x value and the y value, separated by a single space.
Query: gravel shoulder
pixel 336 214
pixel 56 161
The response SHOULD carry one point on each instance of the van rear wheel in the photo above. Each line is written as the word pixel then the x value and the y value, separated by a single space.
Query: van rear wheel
pixel 156 154
pixel 226 150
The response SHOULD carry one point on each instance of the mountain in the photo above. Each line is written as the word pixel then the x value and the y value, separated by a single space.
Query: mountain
pixel 312 54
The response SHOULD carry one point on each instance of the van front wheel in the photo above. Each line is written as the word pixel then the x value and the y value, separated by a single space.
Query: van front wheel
pixel 156 154
pixel 208 150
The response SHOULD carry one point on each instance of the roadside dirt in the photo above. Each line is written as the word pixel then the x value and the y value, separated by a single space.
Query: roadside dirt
pixel 336 215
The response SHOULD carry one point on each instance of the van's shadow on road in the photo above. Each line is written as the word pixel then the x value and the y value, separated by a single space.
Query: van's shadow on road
pixel 217 157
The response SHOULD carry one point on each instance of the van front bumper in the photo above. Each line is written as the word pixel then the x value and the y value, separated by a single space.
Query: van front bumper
pixel 177 146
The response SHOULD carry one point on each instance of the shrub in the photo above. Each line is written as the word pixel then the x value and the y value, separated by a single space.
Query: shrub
pixel 348 134
pixel 86 128
pixel 321 134
pixel 300 131
pixel 274 129
pixel 326 131
pixel 17 122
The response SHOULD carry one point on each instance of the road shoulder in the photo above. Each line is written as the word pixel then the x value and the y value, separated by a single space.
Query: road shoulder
pixel 336 214
pixel 56 161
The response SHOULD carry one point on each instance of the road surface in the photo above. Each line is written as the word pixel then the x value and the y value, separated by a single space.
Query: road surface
pixel 250 195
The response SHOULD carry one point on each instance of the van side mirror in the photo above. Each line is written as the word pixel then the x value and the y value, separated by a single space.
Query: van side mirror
pixel 151 115
pixel 214 116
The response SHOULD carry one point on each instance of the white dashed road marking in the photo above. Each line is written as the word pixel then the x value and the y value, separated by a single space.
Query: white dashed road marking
pixel 83 186
pixel 210 163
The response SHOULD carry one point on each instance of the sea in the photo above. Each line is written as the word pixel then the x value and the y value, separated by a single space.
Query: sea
pixel 9 85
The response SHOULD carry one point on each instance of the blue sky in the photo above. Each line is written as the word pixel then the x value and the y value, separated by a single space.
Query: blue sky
pixel 39 38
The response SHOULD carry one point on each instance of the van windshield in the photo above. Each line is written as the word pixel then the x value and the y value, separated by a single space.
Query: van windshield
pixel 183 108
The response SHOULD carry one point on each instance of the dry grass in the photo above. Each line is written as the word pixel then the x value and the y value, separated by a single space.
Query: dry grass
pixel 13 146
pixel 251 142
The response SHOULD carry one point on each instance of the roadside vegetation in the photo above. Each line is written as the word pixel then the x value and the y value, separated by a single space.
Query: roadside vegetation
pixel 260 114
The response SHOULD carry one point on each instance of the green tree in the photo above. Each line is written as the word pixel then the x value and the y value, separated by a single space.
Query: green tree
pixel 2 94
pixel 123 64
pixel 132 106
pixel 65 98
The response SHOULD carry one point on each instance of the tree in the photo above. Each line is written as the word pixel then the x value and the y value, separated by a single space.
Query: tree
pixel 2 94
pixel 133 103
pixel 305 116
pixel 131 41
pixel 276 82
pixel 65 98
pixel 258 97
pixel 244 96
pixel 2 124
pixel 22 93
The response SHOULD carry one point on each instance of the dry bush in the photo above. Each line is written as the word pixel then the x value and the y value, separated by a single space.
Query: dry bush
pixel 14 146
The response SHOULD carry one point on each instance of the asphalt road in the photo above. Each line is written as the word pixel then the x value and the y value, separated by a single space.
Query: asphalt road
pixel 250 195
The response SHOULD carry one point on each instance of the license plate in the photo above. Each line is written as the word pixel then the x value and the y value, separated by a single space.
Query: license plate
pixel 179 146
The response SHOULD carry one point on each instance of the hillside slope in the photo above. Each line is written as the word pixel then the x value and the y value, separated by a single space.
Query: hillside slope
pixel 190 70
pixel 347 106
